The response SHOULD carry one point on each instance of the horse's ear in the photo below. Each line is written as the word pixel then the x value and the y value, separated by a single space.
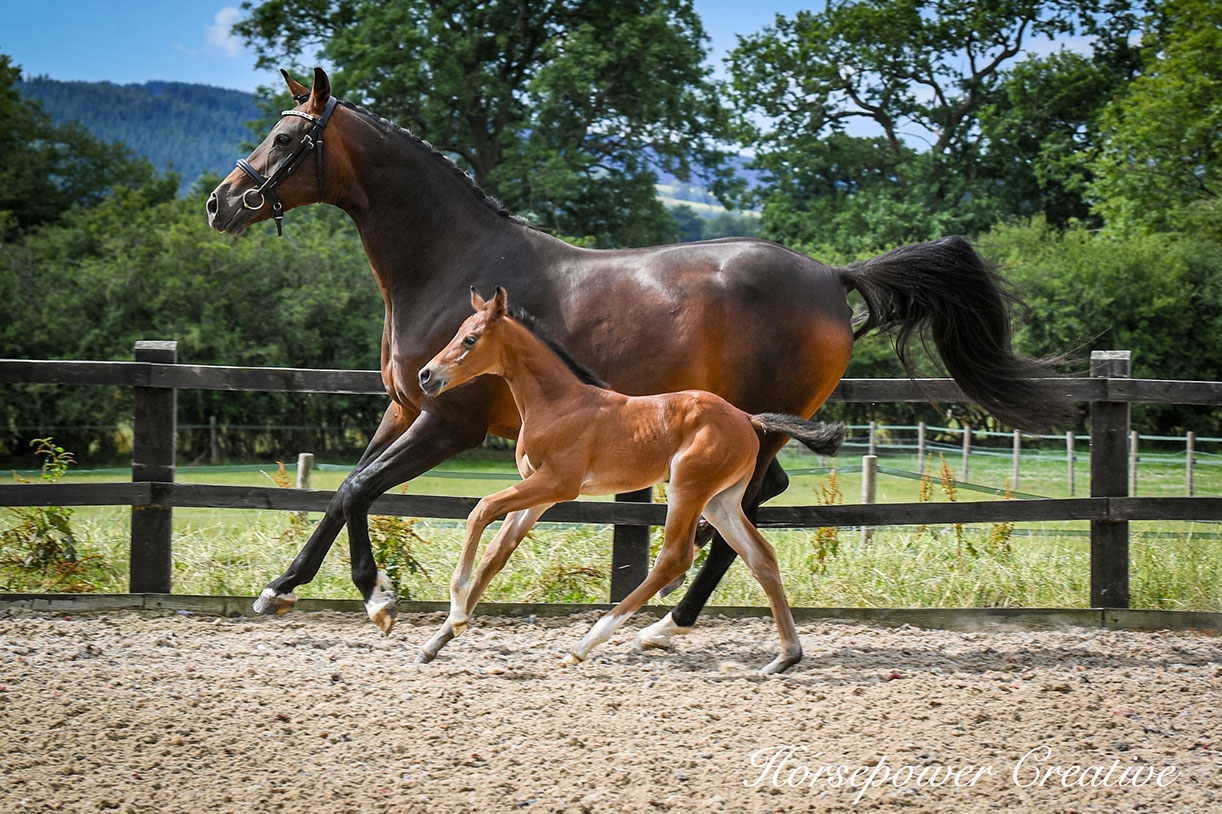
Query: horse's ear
pixel 499 302
pixel 321 91
pixel 296 89
pixel 477 302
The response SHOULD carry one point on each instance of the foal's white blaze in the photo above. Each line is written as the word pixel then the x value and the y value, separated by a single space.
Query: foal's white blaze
pixel 382 604
pixel 602 630
pixel 658 634
pixel 271 603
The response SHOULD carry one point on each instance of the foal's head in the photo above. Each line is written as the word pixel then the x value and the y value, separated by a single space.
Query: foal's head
pixel 476 348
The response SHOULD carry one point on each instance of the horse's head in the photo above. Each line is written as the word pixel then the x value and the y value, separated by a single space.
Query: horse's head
pixel 285 171
pixel 473 351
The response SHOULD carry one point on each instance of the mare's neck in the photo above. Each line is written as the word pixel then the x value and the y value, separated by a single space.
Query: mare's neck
pixel 417 218
pixel 537 377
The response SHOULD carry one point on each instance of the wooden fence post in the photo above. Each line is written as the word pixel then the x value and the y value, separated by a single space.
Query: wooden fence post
pixel 873 438
pixel 1071 458
pixel 967 453
pixel 1190 448
pixel 629 550
pixel 155 426
pixel 920 446
pixel 1109 459
pixel 1017 454
pixel 869 489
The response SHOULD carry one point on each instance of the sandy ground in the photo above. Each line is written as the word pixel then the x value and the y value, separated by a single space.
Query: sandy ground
pixel 315 712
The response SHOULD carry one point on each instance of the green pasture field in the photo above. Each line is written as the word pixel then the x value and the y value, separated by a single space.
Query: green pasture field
pixel 1175 566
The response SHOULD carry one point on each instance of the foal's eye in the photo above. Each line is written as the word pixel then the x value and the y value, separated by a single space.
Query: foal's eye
pixel 470 340
pixel 283 139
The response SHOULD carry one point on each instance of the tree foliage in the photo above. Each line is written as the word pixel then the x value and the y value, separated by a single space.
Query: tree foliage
pixel 872 113
pixel 1160 160
pixel 46 169
pixel 561 109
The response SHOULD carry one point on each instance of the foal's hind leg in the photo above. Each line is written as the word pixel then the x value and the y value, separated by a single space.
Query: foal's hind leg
pixel 725 512
pixel 678 551
pixel 720 557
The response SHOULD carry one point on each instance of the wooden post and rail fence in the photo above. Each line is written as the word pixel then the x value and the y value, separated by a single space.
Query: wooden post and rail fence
pixel 155 376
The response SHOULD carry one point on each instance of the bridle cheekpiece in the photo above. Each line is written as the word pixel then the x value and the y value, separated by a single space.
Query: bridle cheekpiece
pixel 265 188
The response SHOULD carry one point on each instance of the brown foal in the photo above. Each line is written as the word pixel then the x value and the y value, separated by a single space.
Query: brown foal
pixel 580 438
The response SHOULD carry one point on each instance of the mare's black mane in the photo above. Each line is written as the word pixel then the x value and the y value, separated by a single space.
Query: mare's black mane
pixel 530 323
pixel 389 127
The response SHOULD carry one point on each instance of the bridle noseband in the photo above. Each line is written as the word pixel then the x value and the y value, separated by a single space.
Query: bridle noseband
pixel 265 188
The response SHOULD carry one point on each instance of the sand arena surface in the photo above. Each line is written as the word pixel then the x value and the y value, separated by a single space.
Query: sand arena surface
pixel 316 712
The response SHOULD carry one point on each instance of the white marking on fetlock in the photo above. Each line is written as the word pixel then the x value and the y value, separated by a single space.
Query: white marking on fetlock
pixel 382 605
pixel 659 634
pixel 602 630
pixel 271 603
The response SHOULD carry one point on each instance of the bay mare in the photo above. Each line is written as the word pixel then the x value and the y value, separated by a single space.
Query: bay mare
pixel 767 328
pixel 582 438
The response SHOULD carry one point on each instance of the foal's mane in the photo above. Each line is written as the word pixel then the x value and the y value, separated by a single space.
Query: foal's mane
pixel 528 321
pixel 390 128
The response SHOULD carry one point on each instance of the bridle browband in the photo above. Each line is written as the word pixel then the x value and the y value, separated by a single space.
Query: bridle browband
pixel 265 188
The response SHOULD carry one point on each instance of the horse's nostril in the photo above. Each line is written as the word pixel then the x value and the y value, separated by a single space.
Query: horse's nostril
pixel 214 204
pixel 425 376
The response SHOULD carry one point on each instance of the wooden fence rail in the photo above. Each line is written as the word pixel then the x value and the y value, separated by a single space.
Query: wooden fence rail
pixel 153 494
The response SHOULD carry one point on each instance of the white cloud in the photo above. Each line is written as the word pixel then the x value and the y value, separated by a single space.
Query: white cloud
pixel 218 35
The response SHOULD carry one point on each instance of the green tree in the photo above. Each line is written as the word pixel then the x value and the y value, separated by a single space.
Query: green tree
pixel 917 73
pixel 46 169
pixel 561 109
pixel 1042 125
pixel 1161 154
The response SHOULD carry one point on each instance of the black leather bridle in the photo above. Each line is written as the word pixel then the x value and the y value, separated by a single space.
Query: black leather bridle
pixel 265 188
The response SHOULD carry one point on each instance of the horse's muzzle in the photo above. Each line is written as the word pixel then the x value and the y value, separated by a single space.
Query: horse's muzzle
pixel 430 384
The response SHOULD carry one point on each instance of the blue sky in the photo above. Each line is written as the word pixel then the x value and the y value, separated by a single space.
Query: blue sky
pixel 127 41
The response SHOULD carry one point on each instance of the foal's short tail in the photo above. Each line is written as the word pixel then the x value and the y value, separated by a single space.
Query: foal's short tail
pixel 946 292
pixel 819 437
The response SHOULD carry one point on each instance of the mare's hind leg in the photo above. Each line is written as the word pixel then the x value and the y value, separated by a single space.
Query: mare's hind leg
pixel 678 551
pixel 772 482
pixel 725 512
pixel 279 597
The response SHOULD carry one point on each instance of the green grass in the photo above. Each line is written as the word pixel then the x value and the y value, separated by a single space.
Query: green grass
pixel 1174 565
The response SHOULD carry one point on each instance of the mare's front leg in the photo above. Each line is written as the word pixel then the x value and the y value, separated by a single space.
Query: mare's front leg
pixel 432 438
pixel 279 597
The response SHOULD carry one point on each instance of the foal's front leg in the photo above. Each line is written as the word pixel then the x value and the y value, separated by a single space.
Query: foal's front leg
pixel 526 501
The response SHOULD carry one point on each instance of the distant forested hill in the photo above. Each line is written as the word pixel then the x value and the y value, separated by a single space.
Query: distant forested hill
pixel 189 128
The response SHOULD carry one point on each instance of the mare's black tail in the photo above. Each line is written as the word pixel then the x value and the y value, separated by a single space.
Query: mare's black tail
pixel 820 437
pixel 945 291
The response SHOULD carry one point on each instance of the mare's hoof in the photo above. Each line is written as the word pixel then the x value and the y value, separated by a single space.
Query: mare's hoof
pixel 571 659
pixel 424 658
pixel 271 603
pixel 658 635
pixel 382 612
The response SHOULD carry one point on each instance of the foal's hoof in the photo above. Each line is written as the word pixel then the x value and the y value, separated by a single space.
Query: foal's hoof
pixel 424 658
pixel 658 635
pixel 571 659
pixel 382 611
pixel 271 603
pixel 781 663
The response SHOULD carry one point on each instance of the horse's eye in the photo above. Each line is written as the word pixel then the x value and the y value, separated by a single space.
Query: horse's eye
pixel 283 139
pixel 470 340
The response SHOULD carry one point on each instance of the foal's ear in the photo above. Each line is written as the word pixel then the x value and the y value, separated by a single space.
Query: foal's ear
pixel 499 306
pixel 477 302
pixel 320 93
pixel 298 91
